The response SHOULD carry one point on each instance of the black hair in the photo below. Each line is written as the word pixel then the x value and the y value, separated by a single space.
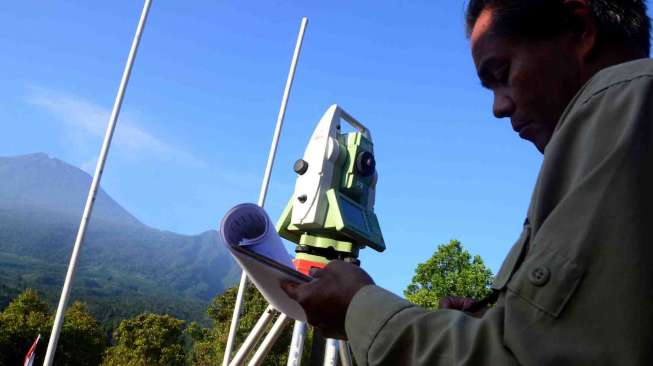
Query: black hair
pixel 623 21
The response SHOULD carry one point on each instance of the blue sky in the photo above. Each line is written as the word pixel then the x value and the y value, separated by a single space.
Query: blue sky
pixel 200 109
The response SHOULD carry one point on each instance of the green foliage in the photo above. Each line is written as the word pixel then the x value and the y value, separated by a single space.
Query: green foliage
pixel 110 293
pixel 21 322
pixel 451 271
pixel 113 287
pixel 81 341
pixel 7 293
pixel 208 347
pixel 147 340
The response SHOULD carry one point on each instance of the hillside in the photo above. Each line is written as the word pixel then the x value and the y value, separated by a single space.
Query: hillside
pixel 125 266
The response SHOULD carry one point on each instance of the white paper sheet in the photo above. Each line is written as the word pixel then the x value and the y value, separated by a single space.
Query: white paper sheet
pixel 252 239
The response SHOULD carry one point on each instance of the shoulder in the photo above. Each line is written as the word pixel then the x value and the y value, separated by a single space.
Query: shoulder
pixel 629 74
pixel 613 98
pixel 608 118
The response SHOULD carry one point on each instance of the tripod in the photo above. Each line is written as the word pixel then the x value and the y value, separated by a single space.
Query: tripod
pixel 330 350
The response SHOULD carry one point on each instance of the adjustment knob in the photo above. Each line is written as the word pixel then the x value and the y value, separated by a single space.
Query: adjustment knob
pixel 365 164
pixel 300 167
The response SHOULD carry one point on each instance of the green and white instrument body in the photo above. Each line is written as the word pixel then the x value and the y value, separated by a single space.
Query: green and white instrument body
pixel 331 213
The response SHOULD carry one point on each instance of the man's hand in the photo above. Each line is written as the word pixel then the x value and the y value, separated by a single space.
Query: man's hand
pixel 462 304
pixel 326 299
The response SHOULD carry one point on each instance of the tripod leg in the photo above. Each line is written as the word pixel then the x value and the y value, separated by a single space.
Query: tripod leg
pixel 253 337
pixel 242 287
pixel 317 348
pixel 345 353
pixel 331 352
pixel 269 340
pixel 297 344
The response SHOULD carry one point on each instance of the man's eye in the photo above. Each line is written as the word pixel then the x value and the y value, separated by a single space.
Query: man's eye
pixel 501 74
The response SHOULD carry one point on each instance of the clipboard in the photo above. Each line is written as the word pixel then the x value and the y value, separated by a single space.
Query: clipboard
pixel 292 274
pixel 267 275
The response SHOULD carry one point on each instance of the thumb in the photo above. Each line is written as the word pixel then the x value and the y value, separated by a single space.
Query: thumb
pixel 290 288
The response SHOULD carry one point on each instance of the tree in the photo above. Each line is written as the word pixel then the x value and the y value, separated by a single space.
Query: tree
pixel 21 322
pixel 81 341
pixel 147 340
pixel 209 344
pixel 451 271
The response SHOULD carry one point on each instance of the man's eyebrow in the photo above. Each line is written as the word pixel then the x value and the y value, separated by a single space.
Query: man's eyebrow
pixel 484 75
pixel 484 82
pixel 485 71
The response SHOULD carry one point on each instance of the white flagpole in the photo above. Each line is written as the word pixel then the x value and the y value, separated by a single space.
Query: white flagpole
pixel 65 292
pixel 264 186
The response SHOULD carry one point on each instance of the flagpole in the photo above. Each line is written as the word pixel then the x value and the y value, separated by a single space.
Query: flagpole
pixel 90 200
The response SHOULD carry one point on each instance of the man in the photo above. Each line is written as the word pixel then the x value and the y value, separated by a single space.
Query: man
pixel 576 288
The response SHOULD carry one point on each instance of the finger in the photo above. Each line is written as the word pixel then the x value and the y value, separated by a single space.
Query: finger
pixel 302 293
pixel 335 264
pixel 469 304
pixel 316 272
pixel 453 302
pixel 445 303
pixel 290 288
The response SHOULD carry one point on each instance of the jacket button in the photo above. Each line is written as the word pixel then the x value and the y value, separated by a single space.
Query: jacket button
pixel 539 276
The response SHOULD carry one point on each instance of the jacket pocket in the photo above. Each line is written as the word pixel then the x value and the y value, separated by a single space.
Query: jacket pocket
pixel 513 260
pixel 547 280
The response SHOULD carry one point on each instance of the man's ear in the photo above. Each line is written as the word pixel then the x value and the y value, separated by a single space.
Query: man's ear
pixel 584 27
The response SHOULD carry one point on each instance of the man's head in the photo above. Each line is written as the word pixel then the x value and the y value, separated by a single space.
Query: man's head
pixel 536 54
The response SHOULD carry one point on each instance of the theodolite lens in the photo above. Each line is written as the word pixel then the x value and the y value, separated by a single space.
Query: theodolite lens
pixel 365 163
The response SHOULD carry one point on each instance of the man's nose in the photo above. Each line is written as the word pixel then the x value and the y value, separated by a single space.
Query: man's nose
pixel 503 105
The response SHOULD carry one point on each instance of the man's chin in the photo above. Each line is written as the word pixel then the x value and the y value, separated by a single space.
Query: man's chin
pixel 540 147
pixel 540 141
pixel 538 136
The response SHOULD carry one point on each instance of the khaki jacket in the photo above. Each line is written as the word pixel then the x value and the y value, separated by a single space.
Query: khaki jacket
pixel 577 287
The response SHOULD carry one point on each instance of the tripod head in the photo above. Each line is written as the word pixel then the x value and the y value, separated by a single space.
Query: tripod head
pixel 331 213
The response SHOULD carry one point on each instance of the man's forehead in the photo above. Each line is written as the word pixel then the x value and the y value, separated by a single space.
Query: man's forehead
pixel 482 25
pixel 480 31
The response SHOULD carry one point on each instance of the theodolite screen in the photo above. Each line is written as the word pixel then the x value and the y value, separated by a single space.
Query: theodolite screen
pixel 353 215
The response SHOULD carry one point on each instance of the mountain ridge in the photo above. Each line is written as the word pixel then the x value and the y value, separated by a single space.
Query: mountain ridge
pixel 122 259
pixel 23 186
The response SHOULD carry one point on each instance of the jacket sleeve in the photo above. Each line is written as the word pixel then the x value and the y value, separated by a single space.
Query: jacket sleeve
pixel 384 329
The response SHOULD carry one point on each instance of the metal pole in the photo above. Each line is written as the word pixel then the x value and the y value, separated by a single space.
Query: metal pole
pixel 65 292
pixel 345 353
pixel 269 340
pixel 282 113
pixel 242 286
pixel 253 337
pixel 331 352
pixel 265 184
pixel 297 344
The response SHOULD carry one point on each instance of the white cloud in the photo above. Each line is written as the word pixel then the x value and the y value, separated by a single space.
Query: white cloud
pixel 80 115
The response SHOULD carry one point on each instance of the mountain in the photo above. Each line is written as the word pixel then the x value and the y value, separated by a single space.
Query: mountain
pixel 125 267
pixel 39 182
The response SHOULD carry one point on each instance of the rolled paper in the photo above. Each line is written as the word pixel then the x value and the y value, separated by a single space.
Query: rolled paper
pixel 248 234
pixel 248 225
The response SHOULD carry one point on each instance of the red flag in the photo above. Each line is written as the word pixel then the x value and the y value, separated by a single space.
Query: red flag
pixel 29 357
